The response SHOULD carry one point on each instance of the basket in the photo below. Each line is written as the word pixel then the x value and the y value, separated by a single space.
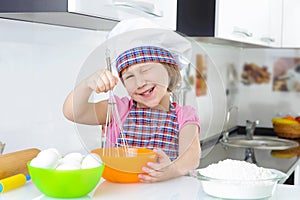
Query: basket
pixel 287 130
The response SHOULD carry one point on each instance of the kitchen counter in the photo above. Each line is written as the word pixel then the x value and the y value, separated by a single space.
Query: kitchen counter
pixel 180 188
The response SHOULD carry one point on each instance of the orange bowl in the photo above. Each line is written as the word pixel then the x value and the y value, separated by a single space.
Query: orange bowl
pixel 124 166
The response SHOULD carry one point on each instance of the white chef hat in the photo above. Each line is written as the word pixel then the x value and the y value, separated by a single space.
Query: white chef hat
pixel 137 32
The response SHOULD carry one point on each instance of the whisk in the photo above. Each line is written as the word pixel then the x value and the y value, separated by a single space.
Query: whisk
pixel 113 116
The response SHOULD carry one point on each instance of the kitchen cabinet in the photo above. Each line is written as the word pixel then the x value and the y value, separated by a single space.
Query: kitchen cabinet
pixel 255 22
pixel 291 29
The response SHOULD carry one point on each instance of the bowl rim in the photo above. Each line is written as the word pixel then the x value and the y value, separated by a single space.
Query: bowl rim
pixel 149 152
pixel 278 176
pixel 65 170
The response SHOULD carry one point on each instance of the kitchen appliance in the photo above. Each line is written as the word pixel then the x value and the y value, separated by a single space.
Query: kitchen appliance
pixel 88 14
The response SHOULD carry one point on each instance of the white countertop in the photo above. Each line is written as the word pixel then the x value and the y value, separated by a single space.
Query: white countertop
pixel 181 188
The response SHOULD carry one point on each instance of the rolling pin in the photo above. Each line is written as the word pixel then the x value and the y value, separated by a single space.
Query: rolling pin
pixel 16 162
pixel 13 182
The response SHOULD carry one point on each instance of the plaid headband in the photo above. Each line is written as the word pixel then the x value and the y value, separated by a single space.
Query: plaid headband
pixel 143 54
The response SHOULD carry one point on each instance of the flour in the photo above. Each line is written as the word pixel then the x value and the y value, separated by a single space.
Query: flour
pixel 234 179
pixel 237 170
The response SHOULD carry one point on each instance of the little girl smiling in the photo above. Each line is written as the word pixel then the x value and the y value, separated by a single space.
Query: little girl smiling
pixel 149 117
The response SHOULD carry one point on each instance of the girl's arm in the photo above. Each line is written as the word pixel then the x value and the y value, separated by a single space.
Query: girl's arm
pixel 189 149
pixel 189 158
pixel 76 106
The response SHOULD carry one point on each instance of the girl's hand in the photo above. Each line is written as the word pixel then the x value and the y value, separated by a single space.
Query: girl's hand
pixel 160 171
pixel 102 81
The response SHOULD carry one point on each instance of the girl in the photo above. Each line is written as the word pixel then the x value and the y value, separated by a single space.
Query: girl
pixel 149 74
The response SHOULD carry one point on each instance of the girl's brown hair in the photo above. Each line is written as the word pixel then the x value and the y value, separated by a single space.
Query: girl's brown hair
pixel 175 76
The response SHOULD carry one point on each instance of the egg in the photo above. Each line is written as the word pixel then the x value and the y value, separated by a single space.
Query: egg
pixel 35 162
pixel 54 150
pixel 90 161
pixel 76 157
pixel 46 159
pixel 51 159
pixel 48 154
pixel 68 166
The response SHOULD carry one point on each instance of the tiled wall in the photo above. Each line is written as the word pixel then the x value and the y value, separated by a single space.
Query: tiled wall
pixel 260 101
pixel 254 101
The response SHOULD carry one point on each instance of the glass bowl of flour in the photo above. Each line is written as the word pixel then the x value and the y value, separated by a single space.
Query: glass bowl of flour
pixel 234 179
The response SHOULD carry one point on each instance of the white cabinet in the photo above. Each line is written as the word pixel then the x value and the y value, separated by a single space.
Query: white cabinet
pixel 162 12
pixel 250 21
pixel 291 27
pixel 257 22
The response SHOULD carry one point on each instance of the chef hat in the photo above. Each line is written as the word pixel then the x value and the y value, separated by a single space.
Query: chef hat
pixel 138 32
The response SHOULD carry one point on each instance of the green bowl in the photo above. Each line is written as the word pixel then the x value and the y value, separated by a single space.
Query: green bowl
pixel 65 183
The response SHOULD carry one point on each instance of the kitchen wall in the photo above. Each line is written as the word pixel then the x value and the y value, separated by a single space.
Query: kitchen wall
pixel 213 106
pixel 260 101
pixel 39 65
pixel 254 101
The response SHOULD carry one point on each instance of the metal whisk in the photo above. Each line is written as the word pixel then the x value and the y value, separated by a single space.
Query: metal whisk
pixel 113 116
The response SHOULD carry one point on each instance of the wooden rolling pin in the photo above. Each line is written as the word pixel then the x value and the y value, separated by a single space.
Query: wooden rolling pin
pixel 16 162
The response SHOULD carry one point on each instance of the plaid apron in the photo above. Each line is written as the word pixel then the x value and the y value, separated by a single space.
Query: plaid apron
pixel 152 128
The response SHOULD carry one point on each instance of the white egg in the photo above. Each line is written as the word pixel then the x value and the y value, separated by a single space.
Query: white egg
pixel 69 162
pixel 54 150
pixel 37 163
pixel 48 154
pixel 68 166
pixel 90 161
pixel 77 157
pixel 46 159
